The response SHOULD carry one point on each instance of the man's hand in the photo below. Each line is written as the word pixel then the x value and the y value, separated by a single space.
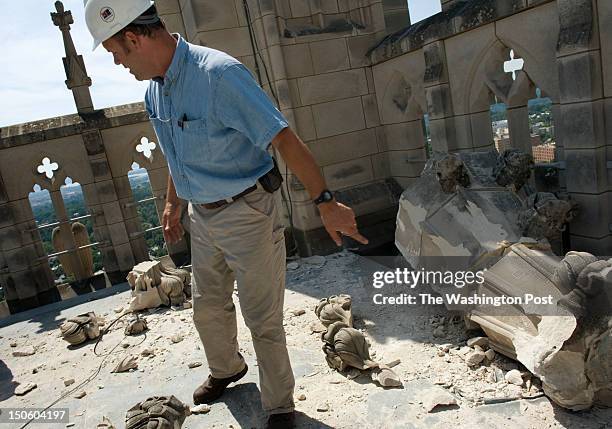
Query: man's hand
pixel 171 223
pixel 340 219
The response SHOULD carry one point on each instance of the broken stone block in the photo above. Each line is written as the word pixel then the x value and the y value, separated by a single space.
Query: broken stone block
pixel 136 326
pixel 336 308
pixel 26 351
pixel 436 397
pixel 434 226
pixel 478 227
pixel 323 408
pixel 490 354
pixel 386 377
pixel 478 341
pixel 157 412
pixel 81 328
pixel 22 390
pixel 147 352
pixel 105 424
pixel 200 409
pixel 155 283
pixel 514 377
pixel 80 395
pixel 474 358
pixel 68 382
pixel 126 364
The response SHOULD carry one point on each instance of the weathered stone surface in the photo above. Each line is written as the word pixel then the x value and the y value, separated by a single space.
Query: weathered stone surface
pixel 329 56
pixel 338 117
pixel 333 86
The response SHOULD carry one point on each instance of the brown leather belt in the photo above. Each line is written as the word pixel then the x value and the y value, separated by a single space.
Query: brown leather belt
pixel 222 203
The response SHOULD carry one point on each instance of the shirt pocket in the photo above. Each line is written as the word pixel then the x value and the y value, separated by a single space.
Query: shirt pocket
pixel 194 136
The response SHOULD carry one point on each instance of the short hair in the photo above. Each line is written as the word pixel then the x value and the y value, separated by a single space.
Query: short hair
pixel 143 29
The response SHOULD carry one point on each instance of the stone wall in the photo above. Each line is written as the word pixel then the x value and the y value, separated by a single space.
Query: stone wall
pixel 314 54
pixel 97 151
pixel 451 66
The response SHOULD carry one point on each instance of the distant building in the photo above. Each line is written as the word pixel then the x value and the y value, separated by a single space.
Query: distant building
pixel 544 152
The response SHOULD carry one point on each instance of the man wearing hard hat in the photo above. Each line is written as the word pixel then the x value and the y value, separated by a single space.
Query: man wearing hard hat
pixel 215 126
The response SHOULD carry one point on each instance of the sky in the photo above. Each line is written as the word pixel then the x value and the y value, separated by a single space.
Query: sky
pixel 31 51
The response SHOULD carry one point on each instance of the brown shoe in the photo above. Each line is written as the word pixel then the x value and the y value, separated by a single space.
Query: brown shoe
pixel 213 388
pixel 281 421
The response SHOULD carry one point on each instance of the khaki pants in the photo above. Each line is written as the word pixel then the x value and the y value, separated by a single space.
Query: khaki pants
pixel 243 241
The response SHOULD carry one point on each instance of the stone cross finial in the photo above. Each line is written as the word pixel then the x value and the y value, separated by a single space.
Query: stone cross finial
pixel 77 79
pixel 514 65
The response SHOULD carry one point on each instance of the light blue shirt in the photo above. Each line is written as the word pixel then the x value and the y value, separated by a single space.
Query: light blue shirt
pixel 213 122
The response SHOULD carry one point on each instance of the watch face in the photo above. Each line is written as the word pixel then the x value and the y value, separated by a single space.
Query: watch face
pixel 324 197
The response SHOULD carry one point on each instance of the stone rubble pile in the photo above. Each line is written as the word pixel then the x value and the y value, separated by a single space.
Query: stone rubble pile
pixel 346 347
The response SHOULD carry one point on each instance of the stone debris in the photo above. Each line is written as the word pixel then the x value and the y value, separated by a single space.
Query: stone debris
pixel 156 283
pixel 475 357
pixel 26 351
pixel 118 310
pixel 323 408
pixel 436 397
pixel 80 395
pixel 69 382
pixel 157 412
pixel 336 308
pixel 81 328
pixel 22 390
pixel 394 363
pixel 200 409
pixel 187 304
pixel 192 365
pixel 13 344
pixel 385 377
pixel 301 397
pixel 299 312
pixel 136 326
pixel 490 354
pixel 291 266
pixel 484 223
pixel 105 424
pixel 147 352
pixel 176 338
pixel 126 364
pixel 346 347
pixel 514 377
pixel 478 341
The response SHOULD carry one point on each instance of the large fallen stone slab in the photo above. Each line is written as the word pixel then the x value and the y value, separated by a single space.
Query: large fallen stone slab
pixel 470 212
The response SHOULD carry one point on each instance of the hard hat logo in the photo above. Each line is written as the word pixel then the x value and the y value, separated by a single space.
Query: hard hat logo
pixel 105 18
pixel 107 14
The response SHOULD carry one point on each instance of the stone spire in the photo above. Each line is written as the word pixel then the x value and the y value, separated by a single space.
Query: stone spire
pixel 77 79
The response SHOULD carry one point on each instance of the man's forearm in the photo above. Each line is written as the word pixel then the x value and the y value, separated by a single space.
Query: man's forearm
pixel 300 161
pixel 171 196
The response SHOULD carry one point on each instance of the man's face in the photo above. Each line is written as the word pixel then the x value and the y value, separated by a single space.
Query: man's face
pixel 129 57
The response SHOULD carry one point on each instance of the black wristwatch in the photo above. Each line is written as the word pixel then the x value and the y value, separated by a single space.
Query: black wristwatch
pixel 325 197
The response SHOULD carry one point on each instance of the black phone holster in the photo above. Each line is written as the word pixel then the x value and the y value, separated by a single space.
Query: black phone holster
pixel 272 180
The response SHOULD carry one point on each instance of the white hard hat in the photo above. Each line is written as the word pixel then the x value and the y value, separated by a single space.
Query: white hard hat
pixel 105 18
